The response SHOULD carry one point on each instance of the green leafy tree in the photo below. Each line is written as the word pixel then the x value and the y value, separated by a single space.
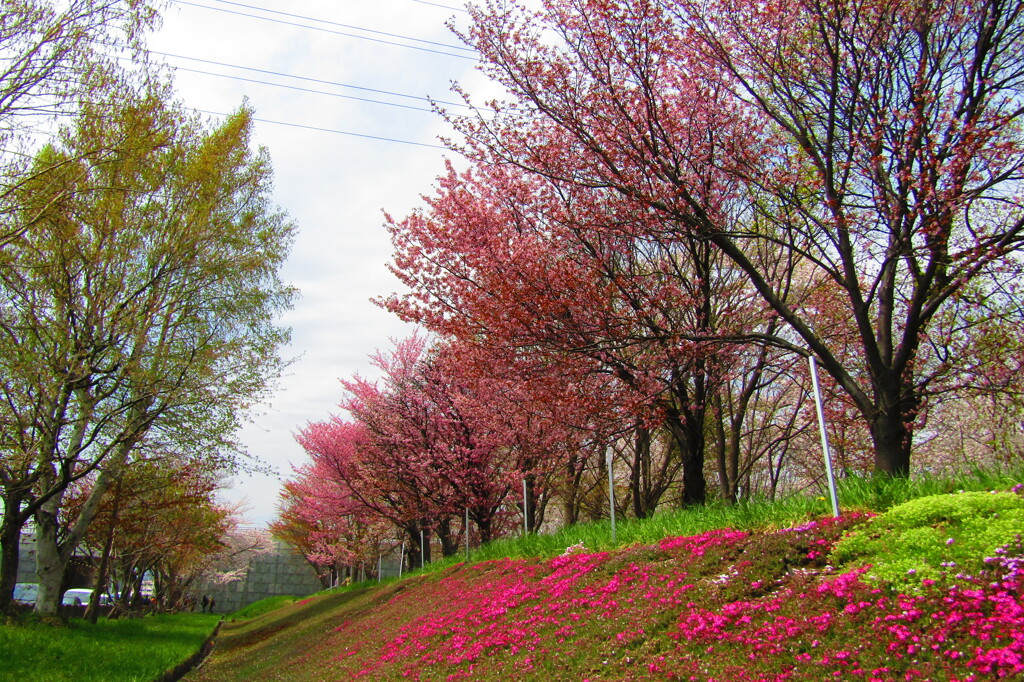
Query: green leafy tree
pixel 139 304
pixel 54 56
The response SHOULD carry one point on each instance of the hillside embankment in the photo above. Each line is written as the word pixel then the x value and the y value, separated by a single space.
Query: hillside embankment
pixel 722 605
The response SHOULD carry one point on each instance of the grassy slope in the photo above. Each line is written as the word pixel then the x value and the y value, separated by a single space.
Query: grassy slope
pixel 623 614
pixel 451 613
pixel 290 641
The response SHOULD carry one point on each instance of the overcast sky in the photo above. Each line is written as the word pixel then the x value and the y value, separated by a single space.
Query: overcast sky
pixel 334 185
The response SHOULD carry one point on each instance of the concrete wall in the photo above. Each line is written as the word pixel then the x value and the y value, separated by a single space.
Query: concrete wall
pixel 27 559
pixel 282 572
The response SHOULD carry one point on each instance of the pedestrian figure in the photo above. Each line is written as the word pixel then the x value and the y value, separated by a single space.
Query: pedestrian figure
pixel 205 602
pixel 212 602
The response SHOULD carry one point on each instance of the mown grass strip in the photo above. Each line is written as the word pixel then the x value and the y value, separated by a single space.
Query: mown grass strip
pixel 126 649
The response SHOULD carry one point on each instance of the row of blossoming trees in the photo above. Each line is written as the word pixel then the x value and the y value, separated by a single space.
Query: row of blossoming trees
pixel 675 204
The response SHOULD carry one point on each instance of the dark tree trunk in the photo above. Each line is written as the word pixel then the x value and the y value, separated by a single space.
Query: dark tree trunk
pixel 688 430
pixel 571 498
pixel 640 483
pixel 449 546
pixel 484 524
pixel 892 437
pixel 10 546
pixel 530 512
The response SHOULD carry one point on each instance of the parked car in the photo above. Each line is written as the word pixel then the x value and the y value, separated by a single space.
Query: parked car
pixel 26 593
pixel 82 596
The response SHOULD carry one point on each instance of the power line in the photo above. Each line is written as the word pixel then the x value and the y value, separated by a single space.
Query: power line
pixel 307 79
pixel 335 23
pixel 331 130
pixel 315 92
pixel 323 30
pixel 435 4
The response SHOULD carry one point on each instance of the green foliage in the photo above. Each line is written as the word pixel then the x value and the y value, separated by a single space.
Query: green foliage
pixel 124 649
pixel 930 537
pixel 141 292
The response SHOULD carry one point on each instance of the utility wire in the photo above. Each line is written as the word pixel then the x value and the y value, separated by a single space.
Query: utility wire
pixel 307 79
pixel 335 23
pixel 457 9
pixel 323 30
pixel 315 92
pixel 331 130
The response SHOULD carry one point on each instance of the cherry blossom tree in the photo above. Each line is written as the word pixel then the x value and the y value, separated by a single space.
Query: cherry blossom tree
pixel 433 424
pixel 528 266
pixel 876 144
pixel 445 429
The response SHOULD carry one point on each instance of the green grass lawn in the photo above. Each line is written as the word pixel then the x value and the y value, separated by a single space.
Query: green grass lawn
pixel 123 649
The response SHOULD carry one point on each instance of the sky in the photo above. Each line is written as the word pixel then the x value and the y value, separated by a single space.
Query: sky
pixel 334 183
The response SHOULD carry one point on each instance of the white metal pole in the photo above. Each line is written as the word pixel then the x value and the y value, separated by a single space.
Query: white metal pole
pixel 401 559
pixel 526 510
pixel 378 566
pixel 824 437
pixel 467 534
pixel 423 550
pixel 611 493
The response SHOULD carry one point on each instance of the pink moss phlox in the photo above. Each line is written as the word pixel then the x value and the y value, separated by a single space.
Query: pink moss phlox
pixel 698 545
pixel 751 619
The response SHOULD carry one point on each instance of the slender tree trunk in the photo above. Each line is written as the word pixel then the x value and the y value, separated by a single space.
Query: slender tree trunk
pixel 640 478
pixel 541 505
pixel 531 502
pixel 100 585
pixel 721 453
pixel 733 457
pixel 571 498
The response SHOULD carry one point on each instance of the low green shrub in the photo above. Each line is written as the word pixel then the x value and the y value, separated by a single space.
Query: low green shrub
pixel 933 537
